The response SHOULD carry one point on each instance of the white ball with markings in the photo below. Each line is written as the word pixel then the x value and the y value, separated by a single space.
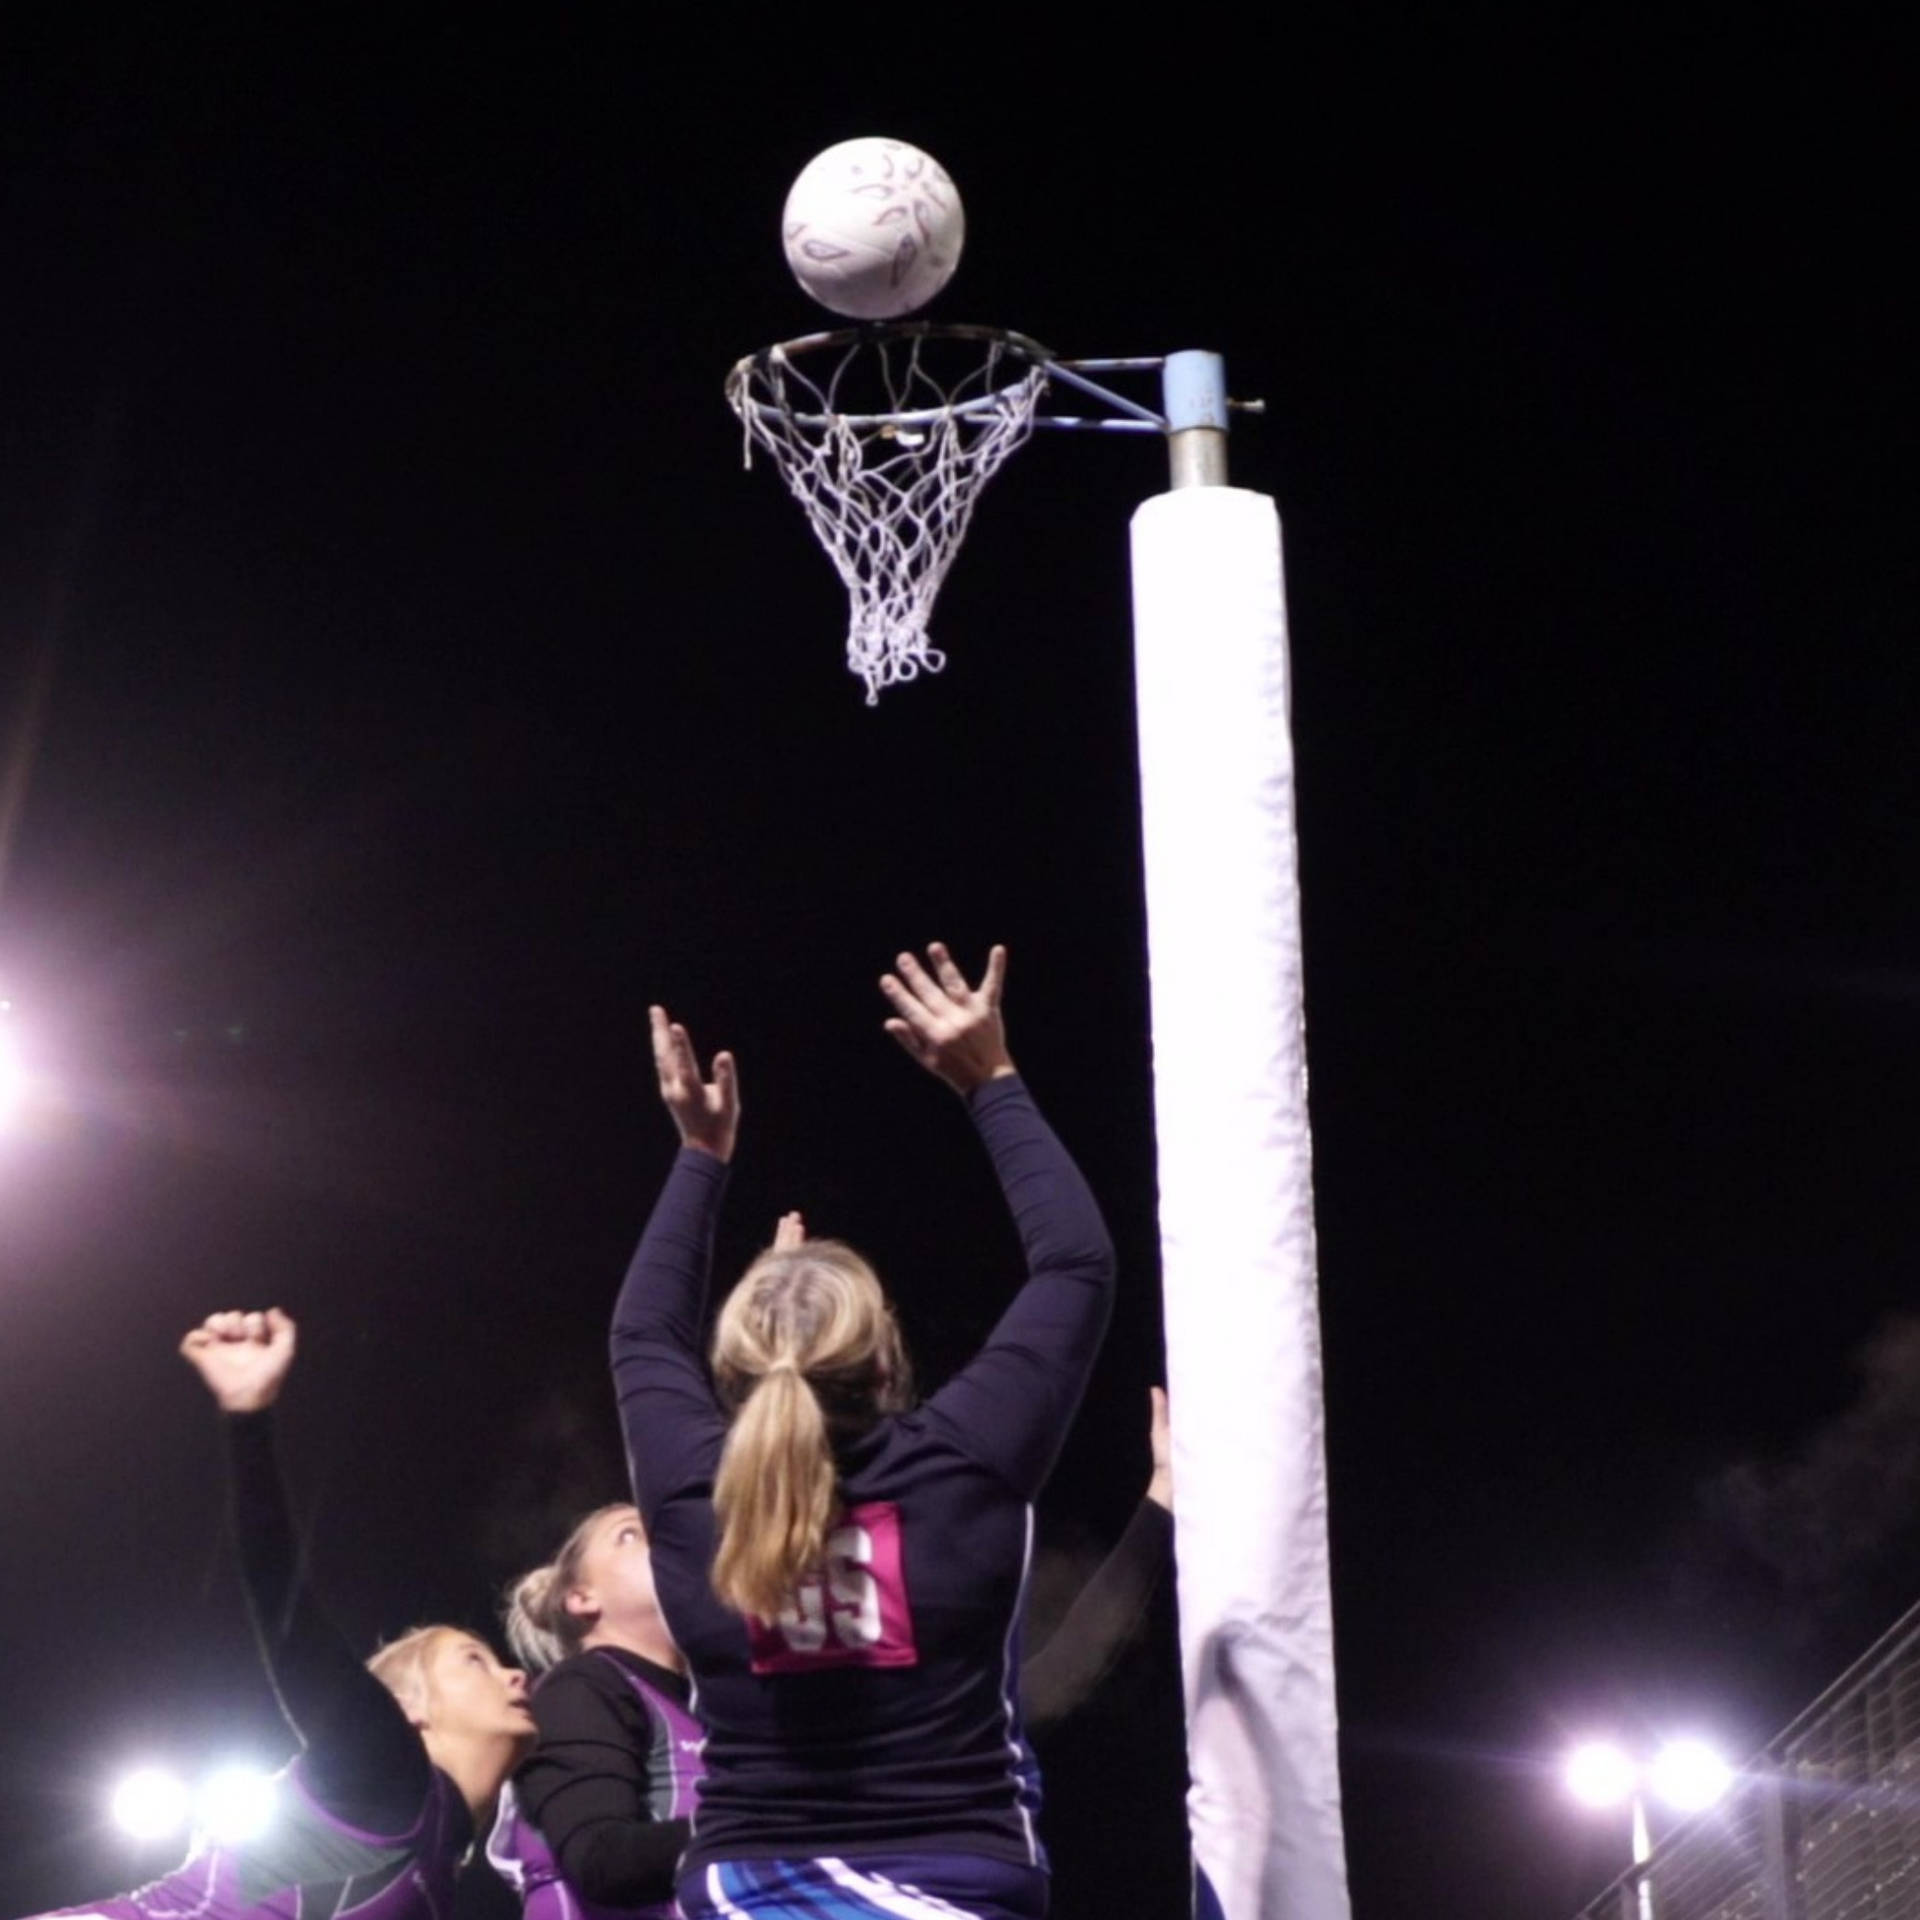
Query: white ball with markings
pixel 873 228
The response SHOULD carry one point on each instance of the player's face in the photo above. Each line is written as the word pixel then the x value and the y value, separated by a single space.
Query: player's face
pixel 470 1692
pixel 616 1573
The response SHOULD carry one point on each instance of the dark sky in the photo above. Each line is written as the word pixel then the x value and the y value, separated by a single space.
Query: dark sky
pixel 403 684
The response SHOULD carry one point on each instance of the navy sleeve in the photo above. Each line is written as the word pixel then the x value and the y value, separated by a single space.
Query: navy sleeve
pixel 585 1787
pixel 362 1761
pixel 1010 1407
pixel 671 1422
pixel 1104 1620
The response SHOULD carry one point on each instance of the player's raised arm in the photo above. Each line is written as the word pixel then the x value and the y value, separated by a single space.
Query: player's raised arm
pixel 1011 1405
pixel 667 1409
pixel 362 1761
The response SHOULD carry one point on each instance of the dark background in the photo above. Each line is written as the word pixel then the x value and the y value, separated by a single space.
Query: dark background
pixel 404 684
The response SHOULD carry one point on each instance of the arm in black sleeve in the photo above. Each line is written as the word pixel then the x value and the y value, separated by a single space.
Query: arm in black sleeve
pixel 1102 1623
pixel 1009 1408
pixel 585 1787
pixel 362 1760
pixel 667 1410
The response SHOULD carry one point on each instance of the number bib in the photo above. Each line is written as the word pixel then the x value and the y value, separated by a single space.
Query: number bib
pixel 853 1612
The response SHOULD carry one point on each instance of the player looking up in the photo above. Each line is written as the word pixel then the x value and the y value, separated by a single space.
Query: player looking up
pixel 843 1572
pixel 599 1812
pixel 400 1759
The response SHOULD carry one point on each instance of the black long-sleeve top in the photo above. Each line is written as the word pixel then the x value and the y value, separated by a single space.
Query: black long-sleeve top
pixel 362 1761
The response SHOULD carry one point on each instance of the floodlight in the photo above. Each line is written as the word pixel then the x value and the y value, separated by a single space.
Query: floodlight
pixel 235 1804
pixel 1599 1774
pixel 1688 1775
pixel 150 1804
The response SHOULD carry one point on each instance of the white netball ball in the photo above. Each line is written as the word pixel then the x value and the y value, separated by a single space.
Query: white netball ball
pixel 873 228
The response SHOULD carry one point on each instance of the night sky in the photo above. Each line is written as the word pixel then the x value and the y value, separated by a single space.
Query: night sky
pixel 401 683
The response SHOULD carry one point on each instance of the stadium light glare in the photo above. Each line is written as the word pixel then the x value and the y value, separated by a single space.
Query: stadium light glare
pixel 150 1804
pixel 1689 1775
pixel 235 1804
pixel 1686 1774
pixel 1599 1775
pixel 13 1076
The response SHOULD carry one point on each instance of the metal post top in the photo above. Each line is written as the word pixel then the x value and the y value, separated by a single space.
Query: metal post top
pixel 1194 387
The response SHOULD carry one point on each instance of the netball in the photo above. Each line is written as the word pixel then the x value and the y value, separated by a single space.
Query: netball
pixel 873 228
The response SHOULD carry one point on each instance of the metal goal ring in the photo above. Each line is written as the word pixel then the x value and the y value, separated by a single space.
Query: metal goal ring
pixel 1040 360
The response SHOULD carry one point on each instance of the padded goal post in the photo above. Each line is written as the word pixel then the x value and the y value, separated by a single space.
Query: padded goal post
pixel 1236 1206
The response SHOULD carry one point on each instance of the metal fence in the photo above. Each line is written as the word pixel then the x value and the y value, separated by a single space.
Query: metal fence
pixel 1824 1825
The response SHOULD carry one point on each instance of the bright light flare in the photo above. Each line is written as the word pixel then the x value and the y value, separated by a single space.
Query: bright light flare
pixel 150 1804
pixel 1599 1774
pixel 235 1804
pixel 1688 1775
pixel 13 1076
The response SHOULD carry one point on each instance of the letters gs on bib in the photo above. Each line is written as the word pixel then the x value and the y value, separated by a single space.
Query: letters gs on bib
pixel 853 1613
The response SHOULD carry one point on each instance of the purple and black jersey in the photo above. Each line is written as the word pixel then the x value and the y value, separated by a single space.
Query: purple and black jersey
pixel 879 1714
pixel 596 1817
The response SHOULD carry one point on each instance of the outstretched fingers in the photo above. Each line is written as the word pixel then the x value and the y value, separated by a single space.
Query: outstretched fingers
pixel 917 1012
pixel 949 1027
pixel 665 1054
pixel 995 976
pixel 921 984
pixel 947 972
pixel 951 982
pixel 706 1111
pixel 673 1055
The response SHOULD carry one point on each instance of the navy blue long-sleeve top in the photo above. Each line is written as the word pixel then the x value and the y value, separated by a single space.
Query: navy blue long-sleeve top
pixel 879 1713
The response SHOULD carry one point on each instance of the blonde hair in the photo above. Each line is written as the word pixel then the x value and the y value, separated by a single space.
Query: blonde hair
pixel 540 1629
pixel 401 1666
pixel 805 1343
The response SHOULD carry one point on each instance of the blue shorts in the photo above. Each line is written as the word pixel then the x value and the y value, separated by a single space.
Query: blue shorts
pixel 893 1886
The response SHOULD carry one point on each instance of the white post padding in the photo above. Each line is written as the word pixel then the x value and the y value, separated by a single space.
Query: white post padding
pixel 1236 1205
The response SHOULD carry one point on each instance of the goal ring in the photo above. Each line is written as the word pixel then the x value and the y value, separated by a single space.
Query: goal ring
pixel 1038 360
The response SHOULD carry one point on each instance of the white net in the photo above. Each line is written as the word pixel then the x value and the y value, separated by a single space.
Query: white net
pixel 886 446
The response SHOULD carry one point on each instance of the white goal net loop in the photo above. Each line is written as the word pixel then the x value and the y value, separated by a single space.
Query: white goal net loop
pixel 886 446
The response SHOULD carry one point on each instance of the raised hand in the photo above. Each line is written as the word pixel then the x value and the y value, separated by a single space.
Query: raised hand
pixel 243 1357
pixel 707 1112
pixel 952 1029
pixel 1160 1443
pixel 790 1233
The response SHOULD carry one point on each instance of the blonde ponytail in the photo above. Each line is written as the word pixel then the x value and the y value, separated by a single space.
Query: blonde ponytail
pixel 773 1495
pixel 805 1332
